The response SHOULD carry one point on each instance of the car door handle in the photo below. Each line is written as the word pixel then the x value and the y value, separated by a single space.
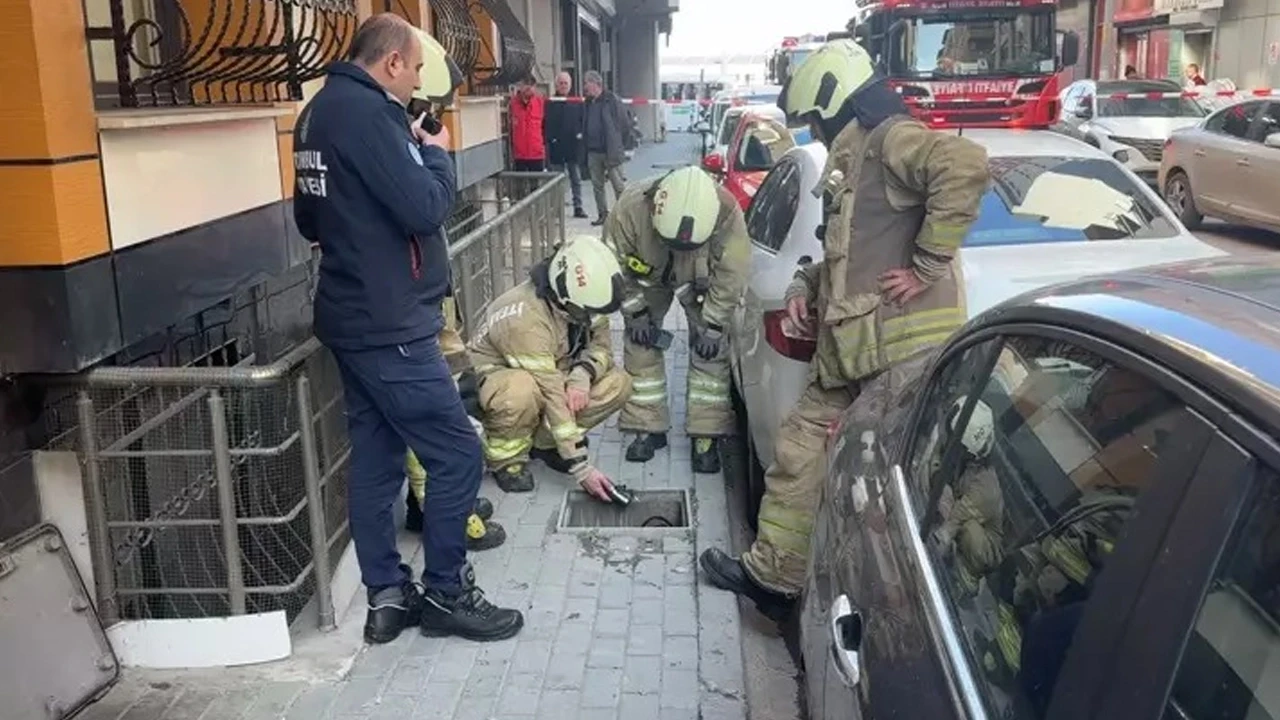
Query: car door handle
pixel 1243 162
pixel 805 260
pixel 846 640
pixel 1198 152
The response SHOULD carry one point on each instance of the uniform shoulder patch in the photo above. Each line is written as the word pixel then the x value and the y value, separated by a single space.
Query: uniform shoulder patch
pixel 414 153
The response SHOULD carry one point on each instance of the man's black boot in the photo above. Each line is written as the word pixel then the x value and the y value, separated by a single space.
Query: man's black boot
pixel 552 458
pixel 727 573
pixel 514 478
pixel 468 614
pixel 645 445
pixel 484 534
pixel 392 609
pixel 579 213
pixel 599 221
pixel 706 455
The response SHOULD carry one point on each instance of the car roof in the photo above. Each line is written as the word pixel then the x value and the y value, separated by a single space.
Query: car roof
pixel 1030 143
pixel 1215 322
pixel 1136 86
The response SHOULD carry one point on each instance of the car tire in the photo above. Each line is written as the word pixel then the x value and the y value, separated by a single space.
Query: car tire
pixel 1178 196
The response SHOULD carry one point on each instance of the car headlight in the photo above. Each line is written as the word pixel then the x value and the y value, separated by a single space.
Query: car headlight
pixel 1121 156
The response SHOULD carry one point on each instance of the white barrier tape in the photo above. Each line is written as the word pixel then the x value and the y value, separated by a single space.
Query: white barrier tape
pixel 644 101
pixel 1188 94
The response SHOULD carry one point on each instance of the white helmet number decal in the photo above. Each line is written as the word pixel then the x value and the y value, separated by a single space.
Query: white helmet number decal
pixel 659 201
pixel 580 273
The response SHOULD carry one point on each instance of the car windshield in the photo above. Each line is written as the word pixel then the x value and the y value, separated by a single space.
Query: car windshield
pixel 991 45
pixel 1039 199
pixel 728 128
pixel 1148 107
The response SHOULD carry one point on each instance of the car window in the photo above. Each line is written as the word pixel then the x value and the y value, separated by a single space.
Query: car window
pixel 1230 667
pixel 728 128
pixel 1268 122
pixel 1234 120
pixel 1149 107
pixel 1041 199
pixel 774 206
pixel 763 143
pixel 1049 459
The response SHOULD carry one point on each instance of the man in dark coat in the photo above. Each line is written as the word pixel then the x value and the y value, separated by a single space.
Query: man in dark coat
pixel 608 135
pixel 562 131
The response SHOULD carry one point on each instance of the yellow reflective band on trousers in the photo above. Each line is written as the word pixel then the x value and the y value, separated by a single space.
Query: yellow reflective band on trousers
pixel 499 450
pixel 1067 559
pixel 650 391
pixel 707 390
pixel 1009 638
pixel 535 363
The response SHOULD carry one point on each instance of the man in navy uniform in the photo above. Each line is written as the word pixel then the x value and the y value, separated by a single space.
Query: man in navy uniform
pixel 374 192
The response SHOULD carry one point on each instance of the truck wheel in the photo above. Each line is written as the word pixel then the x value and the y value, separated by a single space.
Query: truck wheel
pixel 1177 193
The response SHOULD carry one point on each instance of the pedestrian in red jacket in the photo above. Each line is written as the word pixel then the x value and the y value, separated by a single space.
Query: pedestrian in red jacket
pixel 528 110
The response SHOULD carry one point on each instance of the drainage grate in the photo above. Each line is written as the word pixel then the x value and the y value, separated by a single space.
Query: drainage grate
pixel 651 510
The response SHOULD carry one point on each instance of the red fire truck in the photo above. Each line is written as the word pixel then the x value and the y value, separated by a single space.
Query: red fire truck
pixel 970 63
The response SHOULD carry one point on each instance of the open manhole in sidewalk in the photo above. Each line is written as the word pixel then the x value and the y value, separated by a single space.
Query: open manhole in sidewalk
pixel 652 510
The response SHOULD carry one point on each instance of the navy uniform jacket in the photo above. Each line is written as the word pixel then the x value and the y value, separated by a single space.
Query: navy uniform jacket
pixel 375 200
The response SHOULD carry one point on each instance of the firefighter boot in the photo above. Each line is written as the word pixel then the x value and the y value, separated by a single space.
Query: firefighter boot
pixel 645 445
pixel 468 614
pixel 727 573
pixel 706 455
pixel 392 609
pixel 483 534
pixel 413 513
pixel 514 478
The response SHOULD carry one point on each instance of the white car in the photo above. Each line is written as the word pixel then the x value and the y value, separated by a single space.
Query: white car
pixel 1131 129
pixel 1057 209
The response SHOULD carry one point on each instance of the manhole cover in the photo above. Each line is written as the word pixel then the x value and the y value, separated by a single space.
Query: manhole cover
pixel 651 510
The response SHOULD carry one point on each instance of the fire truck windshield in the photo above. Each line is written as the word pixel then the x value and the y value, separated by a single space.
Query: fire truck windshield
pixel 1021 43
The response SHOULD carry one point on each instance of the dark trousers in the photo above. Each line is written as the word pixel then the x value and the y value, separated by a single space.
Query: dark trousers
pixel 529 165
pixel 403 396
pixel 574 171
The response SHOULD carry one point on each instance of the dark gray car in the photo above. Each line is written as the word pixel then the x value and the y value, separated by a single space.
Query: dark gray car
pixel 1074 513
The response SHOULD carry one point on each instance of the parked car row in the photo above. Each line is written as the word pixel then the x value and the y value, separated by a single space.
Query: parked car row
pixel 1072 513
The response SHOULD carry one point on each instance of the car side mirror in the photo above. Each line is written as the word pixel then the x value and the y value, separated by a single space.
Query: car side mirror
pixel 713 163
pixel 1272 140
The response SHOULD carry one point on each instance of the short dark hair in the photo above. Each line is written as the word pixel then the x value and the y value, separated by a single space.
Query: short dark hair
pixel 526 80
pixel 379 36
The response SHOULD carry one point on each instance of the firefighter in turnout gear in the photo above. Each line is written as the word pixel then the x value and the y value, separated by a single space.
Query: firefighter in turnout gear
pixel 544 358
pixel 681 236
pixel 482 534
pixel 900 199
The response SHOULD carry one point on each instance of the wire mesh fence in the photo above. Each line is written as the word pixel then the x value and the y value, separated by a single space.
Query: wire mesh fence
pixel 217 491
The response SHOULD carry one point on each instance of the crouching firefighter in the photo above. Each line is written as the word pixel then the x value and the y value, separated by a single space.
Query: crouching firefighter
pixel 544 359
pixel 886 292
pixel 482 533
pixel 681 236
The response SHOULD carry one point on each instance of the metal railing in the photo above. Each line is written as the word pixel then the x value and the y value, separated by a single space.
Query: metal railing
pixel 178 52
pixel 216 491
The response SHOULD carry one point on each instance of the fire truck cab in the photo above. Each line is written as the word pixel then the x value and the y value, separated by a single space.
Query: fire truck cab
pixel 970 63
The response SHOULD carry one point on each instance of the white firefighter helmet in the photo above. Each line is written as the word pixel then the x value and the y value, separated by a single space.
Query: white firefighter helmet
pixel 686 206
pixel 979 432
pixel 825 80
pixel 585 277
pixel 440 75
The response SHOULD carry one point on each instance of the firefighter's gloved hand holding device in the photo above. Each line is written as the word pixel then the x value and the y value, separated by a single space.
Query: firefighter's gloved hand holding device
pixel 708 341
pixel 595 484
pixel 643 331
pixel 438 80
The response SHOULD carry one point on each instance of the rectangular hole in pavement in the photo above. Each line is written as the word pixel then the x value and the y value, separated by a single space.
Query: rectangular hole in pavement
pixel 651 510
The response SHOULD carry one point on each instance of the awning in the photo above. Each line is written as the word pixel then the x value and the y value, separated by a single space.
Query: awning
pixel 517 55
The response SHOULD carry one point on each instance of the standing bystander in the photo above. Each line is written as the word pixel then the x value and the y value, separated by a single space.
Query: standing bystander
pixel 527 112
pixel 562 132
pixel 607 131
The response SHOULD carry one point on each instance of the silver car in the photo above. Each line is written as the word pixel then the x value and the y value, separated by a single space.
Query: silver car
pixel 1058 209
pixel 1227 166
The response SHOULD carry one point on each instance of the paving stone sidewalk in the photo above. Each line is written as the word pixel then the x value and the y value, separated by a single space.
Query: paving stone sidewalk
pixel 617 625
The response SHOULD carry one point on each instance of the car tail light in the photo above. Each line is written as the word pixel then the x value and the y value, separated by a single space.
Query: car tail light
pixel 781 337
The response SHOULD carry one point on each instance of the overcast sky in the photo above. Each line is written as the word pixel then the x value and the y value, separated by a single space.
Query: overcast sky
pixel 723 26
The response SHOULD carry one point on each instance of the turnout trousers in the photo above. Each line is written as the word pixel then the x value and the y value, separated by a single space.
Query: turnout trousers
pixel 399 398
pixel 778 558
pixel 512 410
pixel 708 408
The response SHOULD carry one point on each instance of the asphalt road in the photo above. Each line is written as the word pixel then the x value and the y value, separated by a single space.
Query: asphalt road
pixel 1239 240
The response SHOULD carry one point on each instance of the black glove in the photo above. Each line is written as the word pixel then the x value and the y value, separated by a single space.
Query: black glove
pixel 708 341
pixel 641 329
